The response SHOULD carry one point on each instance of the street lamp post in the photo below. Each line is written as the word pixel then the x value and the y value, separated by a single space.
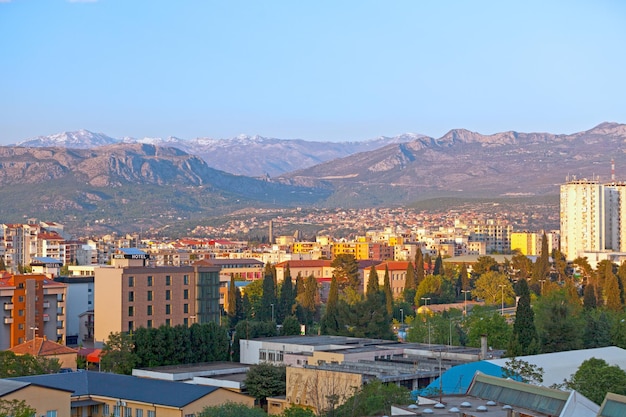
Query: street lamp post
pixel 502 286
pixel 465 301
pixel 34 329
pixel 402 316
pixel 542 281
pixel 272 311
pixel 426 304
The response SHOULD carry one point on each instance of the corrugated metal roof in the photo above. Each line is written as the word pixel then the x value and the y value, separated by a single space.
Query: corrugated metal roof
pixel 174 394
pixel 542 399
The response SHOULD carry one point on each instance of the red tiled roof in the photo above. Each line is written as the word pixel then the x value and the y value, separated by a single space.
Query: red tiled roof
pixel 41 347
pixel 393 265
pixel 305 263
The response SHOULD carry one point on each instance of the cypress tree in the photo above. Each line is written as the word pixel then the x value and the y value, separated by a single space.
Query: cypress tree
pixel 589 297
pixel 621 280
pixel 464 277
pixel 268 298
pixel 409 284
pixel 232 298
pixel 330 321
pixel 372 282
pixel 612 293
pixel 388 293
pixel 524 330
pixel 420 274
pixel 287 297
pixel 438 270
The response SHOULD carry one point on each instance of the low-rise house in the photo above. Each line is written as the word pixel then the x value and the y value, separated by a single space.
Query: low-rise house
pixel 47 401
pixel 42 347
pixel 101 394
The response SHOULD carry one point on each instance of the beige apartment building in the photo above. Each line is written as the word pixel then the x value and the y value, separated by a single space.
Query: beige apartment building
pixel 129 295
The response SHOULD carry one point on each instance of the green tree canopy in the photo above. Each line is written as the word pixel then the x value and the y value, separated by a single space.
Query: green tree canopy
pixel 373 399
pixel 16 408
pixel 372 282
pixel 12 365
pixel 485 321
pixel 594 378
pixel 558 322
pixel 436 287
pixel 118 354
pixel 266 380
pixel 232 410
pixel 492 286
pixel 525 340
pixel 346 271
pixel 484 264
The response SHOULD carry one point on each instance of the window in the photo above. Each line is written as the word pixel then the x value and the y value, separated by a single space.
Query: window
pixel 131 311
pixel 186 294
pixel 20 326
pixel 190 415
pixel 138 412
pixel 150 310
pixel 20 298
pixel 168 322
pixel 95 409
pixel 149 295
pixel 131 326
pixel 168 280
pixel 51 413
pixel 116 411
pixel 186 279
pixel 105 410
pixel 20 313
pixel 168 308
pixel 131 281
pixel 168 294
pixel 186 322
pixel 131 296
pixel 128 412
pixel 149 280
pixel 149 324
pixel 185 308
pixel 151 413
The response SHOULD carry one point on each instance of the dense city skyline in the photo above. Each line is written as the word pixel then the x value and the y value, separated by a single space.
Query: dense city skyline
pixel 316 71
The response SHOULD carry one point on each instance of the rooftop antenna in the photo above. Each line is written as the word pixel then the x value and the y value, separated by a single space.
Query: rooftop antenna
pixel 612 170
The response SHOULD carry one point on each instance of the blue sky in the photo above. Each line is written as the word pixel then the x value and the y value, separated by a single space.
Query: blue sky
pixel 315 70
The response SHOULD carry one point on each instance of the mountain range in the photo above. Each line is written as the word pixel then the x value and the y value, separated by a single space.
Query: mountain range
pixel 84 176
pixel 253 156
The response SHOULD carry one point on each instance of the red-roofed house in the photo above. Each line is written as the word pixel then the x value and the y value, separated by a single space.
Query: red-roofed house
pixel 397 276
pixel 40 346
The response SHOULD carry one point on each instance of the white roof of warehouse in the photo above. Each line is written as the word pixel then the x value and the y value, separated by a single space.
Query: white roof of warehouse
pixel 560 366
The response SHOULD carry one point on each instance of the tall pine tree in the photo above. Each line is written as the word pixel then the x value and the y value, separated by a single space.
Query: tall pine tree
pixel 372 282
pixel 388 293
pixel 420 274
pixel 330 321
pixel 287 297
pixel 525 340
pixel 409 284
pixel 438 269
pixel 268 298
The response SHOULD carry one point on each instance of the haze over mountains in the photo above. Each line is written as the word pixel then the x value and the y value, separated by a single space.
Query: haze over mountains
pixel 252 156
pixel 94 176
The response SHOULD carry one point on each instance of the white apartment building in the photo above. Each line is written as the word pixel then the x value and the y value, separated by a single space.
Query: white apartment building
pixel 591 215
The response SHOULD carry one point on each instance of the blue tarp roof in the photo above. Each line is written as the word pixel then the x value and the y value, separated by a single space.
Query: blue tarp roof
pixel 457 379
pixel 131 251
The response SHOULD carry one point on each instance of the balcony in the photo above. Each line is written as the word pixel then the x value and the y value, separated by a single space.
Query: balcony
pixel 46 317
pixel 46 304
pixel 8 306
pixel 8 320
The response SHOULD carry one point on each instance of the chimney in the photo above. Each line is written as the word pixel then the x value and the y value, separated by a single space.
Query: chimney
pixel 483 347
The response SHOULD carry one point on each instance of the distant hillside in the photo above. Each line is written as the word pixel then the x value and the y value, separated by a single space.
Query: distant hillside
pixel 253 156
pixel 125 183
pixel 468 164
